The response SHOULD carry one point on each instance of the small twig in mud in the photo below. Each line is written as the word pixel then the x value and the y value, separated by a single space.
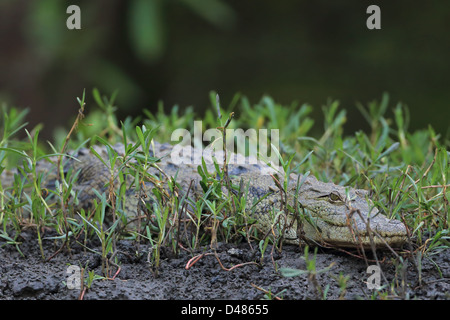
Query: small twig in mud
pixel 82 292
pixel 265 291
pixel 363 257
pixel 233 267
pixel 193 260
pixel 425 283
pixel 82 287
pixel 115 265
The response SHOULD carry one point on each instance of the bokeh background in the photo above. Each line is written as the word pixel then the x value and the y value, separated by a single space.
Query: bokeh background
pixel 178 50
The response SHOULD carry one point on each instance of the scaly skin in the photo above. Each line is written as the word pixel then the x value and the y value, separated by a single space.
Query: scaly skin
pixel 335 215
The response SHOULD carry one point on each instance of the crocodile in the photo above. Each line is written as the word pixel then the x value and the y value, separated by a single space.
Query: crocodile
pixel 321 213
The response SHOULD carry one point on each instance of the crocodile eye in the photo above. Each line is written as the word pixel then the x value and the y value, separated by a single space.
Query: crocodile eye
pixel 334 197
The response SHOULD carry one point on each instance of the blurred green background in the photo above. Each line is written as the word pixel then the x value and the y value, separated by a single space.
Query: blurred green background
pixel 178 50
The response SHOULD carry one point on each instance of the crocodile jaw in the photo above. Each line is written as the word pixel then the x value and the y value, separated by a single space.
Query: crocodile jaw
pixel 393 234
pixel 352 221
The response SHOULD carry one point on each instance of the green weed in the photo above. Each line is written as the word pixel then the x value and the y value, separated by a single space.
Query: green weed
pixel 406 171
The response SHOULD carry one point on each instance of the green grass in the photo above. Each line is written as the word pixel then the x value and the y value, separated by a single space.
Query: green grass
pixel 406 171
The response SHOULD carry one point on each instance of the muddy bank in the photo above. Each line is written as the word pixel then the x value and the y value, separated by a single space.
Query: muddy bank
pixel 338 275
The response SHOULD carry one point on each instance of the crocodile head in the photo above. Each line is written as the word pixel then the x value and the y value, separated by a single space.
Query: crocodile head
pixel 334 215
pixel 346 217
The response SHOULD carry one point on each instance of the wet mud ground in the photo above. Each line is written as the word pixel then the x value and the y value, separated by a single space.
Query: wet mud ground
pixel 206 279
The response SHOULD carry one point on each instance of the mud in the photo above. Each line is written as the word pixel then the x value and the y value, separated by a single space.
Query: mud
pixel 30 277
